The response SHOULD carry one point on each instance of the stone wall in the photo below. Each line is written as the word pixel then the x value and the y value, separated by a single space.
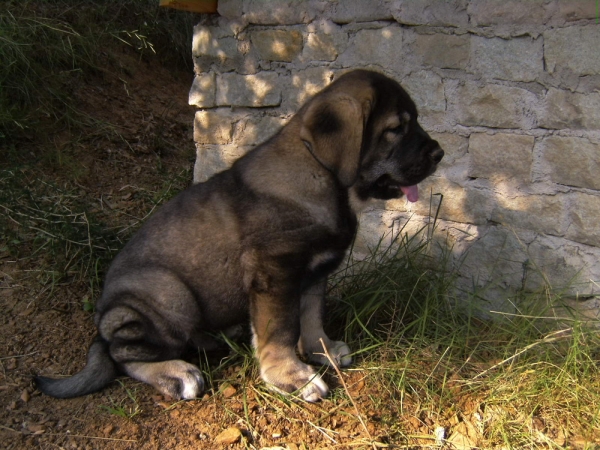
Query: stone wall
pixel 510 88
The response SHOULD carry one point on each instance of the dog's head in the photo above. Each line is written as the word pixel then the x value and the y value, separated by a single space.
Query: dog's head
pixel 364 129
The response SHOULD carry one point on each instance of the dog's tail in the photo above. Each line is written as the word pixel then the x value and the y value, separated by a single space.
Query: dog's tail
pixel 99 371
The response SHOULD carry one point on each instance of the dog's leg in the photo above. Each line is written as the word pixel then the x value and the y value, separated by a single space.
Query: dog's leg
pixel 275 329
pixel 311 330
pixel 175 378
pixel 146 347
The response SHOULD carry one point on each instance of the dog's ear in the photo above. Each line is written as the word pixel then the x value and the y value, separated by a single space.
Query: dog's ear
pixel 332 129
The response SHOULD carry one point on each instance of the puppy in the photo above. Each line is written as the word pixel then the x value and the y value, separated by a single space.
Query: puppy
pixel 257 242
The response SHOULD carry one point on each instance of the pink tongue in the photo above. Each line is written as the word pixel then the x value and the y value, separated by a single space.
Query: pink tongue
pixel 411 192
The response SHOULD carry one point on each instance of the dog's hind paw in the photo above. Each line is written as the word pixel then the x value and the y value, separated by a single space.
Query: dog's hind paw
pixel 185 383
pixel 175 378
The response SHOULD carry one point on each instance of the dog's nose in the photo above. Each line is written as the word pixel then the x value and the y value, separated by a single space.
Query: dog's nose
pixel 436 154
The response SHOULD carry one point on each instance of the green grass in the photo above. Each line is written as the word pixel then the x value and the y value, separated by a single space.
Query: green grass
pixel 127 408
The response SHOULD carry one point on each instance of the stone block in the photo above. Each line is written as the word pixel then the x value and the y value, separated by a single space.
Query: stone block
pixel 203 91
pixel 215 45
pixel 573 48
pixel 305 84
pixel 572 10
pixel 372 229
pixel 446 51
pixel 584 219
pixel 381 47
pixel 496 258
pixel 427 91
pixel 517 59
pixel 277 45
pixel 452 13
pixel 213 127
pixel 587 84
pixel 492 105
pixel 278 12
pixel 205 41
pixel 563 109
pixel 231 9
pixel 248 90
pixel 571 161
pixel 346 11
pixel 564 265
pixel 509 12
pixel 211 159
pixel 540 213
pixel 501 157
pixel 324 46
pixel 255 130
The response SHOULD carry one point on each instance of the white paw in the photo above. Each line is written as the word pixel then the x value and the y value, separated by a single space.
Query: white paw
pixel 339 353
pixel 181 380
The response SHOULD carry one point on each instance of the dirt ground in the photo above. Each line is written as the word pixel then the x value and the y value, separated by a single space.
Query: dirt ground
pixel 45 329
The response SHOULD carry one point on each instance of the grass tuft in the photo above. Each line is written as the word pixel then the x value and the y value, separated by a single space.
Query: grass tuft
pixel 526 379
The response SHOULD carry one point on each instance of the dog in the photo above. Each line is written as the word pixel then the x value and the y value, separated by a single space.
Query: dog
pixel 256 243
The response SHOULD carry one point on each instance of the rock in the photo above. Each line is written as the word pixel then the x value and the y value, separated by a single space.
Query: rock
pixel 227 390
pixel 228 436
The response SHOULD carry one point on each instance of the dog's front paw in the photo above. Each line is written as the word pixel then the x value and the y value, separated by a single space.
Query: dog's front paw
pixel 338 351
pixel 295 378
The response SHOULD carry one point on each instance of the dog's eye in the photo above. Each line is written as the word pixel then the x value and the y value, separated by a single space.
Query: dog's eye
pixel 393 133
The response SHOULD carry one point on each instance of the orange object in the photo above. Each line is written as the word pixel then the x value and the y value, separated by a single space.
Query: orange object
pixel 197 6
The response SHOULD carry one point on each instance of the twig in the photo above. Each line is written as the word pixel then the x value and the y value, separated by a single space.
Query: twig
pixel 72 435
pixel 337 370
pixel 89 437
pixel 322 430
pixel 17 356
pixel 552 337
